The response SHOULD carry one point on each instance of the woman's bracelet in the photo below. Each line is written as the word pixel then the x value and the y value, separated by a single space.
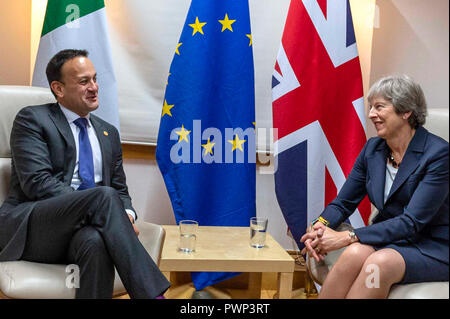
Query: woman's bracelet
pixel 322 220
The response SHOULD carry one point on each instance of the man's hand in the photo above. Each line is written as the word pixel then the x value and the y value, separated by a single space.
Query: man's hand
pixel 136 230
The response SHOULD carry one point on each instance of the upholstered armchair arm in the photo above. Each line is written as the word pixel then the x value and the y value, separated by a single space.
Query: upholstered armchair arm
pixel 152 238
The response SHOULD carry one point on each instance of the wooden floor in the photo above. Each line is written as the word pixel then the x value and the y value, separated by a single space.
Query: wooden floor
pixel 238 287
pixel 185 292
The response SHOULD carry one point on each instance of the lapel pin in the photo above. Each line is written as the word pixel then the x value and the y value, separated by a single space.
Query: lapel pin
pixel 106 133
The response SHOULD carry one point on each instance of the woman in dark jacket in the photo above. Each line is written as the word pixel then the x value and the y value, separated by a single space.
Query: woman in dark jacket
pixel 404 171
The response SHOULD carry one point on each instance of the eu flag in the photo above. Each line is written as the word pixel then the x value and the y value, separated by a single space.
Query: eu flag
pixel 206 142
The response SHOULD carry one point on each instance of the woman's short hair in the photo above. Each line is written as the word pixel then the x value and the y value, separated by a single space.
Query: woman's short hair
pixel 404 94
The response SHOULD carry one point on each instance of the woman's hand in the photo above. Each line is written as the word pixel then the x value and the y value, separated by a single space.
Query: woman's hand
pixel 311 240
pixel 332 240
pixel 320 240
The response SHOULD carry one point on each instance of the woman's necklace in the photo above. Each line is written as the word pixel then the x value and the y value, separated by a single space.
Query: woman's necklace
pixel 394 163
pixel 390 156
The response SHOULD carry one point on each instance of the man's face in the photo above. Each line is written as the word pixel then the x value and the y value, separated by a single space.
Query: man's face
pixel 78 88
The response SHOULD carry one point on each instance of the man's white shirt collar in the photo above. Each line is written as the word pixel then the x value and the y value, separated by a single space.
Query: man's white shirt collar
pixel 72 116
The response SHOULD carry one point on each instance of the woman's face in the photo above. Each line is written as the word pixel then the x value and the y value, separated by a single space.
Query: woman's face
pixel 387 122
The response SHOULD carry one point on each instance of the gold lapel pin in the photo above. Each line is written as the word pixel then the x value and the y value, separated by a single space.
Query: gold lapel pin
pixel 106 133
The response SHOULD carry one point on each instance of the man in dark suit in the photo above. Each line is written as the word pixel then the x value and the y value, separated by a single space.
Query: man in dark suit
pixel 68 200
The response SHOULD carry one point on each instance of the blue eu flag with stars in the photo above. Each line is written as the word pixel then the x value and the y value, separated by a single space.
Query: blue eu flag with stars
pixel 206 143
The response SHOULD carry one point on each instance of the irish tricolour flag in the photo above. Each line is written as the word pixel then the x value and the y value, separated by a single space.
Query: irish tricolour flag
pixel 80 24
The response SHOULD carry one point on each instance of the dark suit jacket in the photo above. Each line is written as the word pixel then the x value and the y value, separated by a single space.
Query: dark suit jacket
pixel 416 210
pixel 43 161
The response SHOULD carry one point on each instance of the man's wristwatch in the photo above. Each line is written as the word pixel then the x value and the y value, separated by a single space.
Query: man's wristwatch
pixel 352 236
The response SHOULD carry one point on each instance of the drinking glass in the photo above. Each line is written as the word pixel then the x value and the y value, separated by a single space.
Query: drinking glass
pixel 258 229
pixel 188 235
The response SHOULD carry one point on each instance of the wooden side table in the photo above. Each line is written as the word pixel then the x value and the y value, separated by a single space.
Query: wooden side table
pixel 227 249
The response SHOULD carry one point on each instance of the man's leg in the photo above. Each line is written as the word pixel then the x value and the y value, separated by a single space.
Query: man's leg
pixel 87 250
pixel 54 222
pixel 140 275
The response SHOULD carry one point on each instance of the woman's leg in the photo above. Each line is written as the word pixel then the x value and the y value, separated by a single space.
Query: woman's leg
pixel 380 271
pixel 341 277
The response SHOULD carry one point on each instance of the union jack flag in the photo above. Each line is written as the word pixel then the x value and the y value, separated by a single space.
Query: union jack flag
pixel 318 109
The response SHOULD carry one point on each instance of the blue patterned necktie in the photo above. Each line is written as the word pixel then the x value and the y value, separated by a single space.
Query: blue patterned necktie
pixel 85 158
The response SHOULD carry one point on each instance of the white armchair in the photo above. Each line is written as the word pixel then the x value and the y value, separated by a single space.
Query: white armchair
pixel 22 279
pixel 437 123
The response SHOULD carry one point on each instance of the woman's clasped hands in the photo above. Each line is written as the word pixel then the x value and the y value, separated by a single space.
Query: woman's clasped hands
pixel 320 239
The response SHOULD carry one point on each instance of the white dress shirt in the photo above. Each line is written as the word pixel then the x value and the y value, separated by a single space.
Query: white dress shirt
pixel 96 151
pixel 95 145
pixel 391 172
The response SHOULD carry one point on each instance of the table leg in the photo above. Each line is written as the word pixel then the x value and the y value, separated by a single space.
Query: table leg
pixel 285 285
pixel 167 275
pixel 254 285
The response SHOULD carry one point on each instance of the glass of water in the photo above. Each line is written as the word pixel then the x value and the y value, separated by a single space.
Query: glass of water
pixel 188 235
pixel 258 229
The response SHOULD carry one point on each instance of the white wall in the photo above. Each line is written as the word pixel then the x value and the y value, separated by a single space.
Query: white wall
pixel 148 192
pixel 15 24
pixel 413 38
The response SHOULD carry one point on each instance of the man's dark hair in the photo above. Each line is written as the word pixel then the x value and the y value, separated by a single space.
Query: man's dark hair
pixel 53 70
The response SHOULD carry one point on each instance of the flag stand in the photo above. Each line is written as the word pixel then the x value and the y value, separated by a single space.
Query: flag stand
pixel 188 291
pixel 211 293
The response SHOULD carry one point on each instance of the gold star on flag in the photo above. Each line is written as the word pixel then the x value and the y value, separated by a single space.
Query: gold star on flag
pixel 250 37
pixel 178 46
pixel 208 147
pixel 237 143
pixel 197 26
pixel 183 133
pixel 226 23
pixel 166 109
